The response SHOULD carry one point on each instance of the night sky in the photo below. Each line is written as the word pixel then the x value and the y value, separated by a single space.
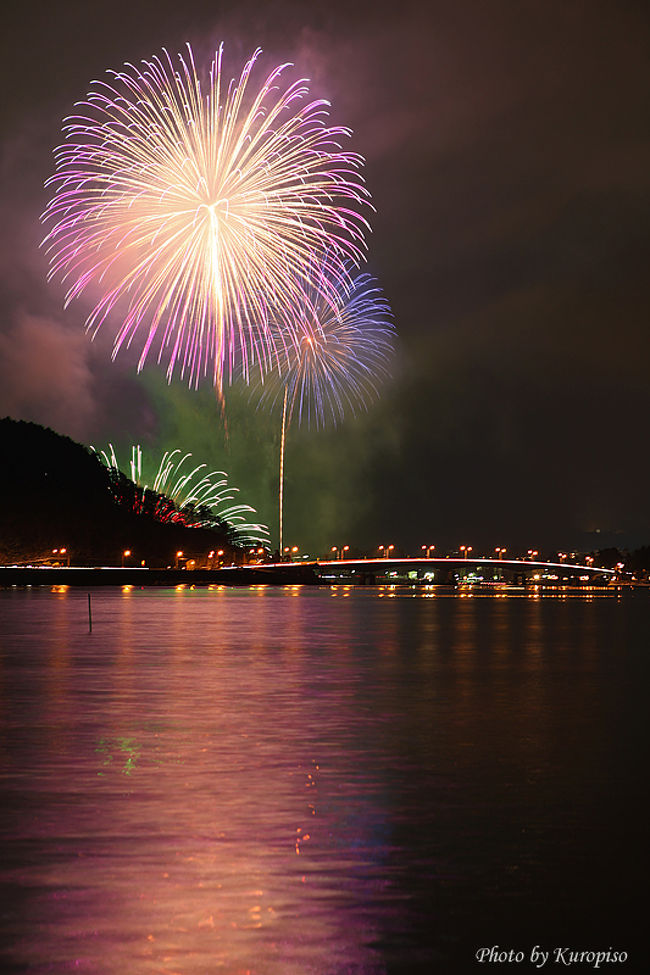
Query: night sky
pixel 507 154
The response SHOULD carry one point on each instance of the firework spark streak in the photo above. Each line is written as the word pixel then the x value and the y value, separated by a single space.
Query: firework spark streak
pixel 188 210
pixel 198 496
pixel 334 355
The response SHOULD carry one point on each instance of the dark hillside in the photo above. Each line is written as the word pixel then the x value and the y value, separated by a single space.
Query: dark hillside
pixel 54 492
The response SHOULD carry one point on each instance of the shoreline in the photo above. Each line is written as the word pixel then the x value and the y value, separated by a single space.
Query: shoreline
pixel 88 577
pixel 91 577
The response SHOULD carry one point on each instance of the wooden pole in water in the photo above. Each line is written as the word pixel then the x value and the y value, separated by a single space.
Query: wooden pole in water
pixel 90 616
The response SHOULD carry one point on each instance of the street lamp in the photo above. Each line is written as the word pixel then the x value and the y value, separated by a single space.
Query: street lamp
pixel 63 552
pixel 179 555
pixel 346 548
pixel 211 557
pixel 389 550
pixel 125 555
pixel 500 552
pixel 428 549
pixel 334 552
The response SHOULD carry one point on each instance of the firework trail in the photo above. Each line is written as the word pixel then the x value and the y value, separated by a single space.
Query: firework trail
pixel 190 496
pixel 188 208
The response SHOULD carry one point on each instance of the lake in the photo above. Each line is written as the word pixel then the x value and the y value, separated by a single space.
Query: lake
pixel 369 781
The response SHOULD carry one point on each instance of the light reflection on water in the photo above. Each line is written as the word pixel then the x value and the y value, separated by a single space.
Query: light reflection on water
pixel 281 781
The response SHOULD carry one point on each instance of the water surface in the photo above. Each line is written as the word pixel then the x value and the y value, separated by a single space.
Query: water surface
pixel 292 781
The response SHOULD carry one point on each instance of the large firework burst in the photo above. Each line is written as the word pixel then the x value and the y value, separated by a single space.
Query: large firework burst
pixel 180 493
pixel 188 210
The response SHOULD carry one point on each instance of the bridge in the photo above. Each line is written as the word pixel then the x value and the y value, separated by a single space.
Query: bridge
pixel 452 570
